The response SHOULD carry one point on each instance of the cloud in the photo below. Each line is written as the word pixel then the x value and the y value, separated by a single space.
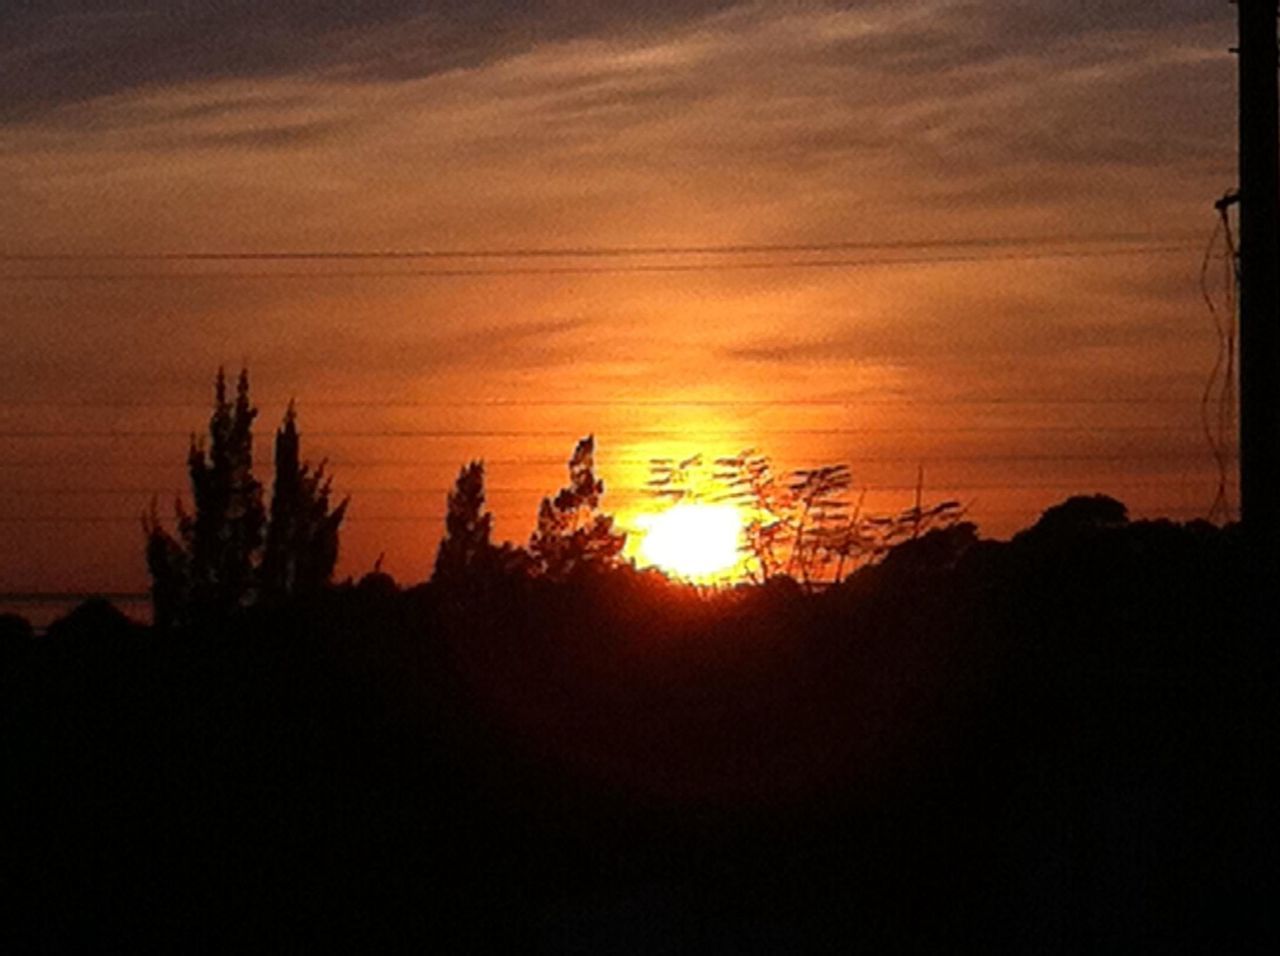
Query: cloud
pixel 55 53
pixel 711 123
pixel 59 52
pixel 948 101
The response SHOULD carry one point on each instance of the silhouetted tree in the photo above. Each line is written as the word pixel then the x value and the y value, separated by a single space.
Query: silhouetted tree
pixel 676 481
pixel 1077 516
pixel 169 565
pixel 225 555
pixel 225 533
pixel 886 532
pixel 938 549
pixel 465 546
pixel 820 510
pixel 765 501
pixel 794 527
pixel 571 533
pixel 805 525
pixel 302 536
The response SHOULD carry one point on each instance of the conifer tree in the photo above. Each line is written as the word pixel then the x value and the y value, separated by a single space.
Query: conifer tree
pixel 465 547
pixel 302 536
pixel 170 570
pixel 225 554
pixel 571 533
pixel 225 533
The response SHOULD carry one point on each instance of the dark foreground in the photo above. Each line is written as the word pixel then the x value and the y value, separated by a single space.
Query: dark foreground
pixel 1054 745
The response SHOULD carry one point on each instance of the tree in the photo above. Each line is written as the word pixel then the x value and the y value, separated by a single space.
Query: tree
pixel 806 525
pixel 302 535
pixel 225 554
pixel 1077 517
pixel 820 513
pixel 169 565
pixel 571 534
pixel 766 505
pixel 465 547
pixel 222 538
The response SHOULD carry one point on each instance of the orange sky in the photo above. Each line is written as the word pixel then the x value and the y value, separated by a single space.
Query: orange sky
pixel 1017 372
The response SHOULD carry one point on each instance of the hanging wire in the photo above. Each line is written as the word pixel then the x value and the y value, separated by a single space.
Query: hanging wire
pixel 1218 401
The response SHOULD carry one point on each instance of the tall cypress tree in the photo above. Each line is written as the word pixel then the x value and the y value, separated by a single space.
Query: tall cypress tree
pixel 224 535
pixel 225 554
pixel 467 527
pixel 302 536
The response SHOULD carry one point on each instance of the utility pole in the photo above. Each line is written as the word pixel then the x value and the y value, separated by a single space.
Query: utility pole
pixel 1259 274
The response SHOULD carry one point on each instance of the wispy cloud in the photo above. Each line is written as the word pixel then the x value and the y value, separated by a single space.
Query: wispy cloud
pixel 551 124
pixel 59 52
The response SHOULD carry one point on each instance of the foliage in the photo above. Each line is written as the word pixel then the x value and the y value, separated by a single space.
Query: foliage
pixel 806 525
pixel 1079 515
pixel 468 527
pixel 226 531
pixel 677 481
pixel 226 554
pixel 169 565
pixel 572 534
pixel 302 537
pixel 820 512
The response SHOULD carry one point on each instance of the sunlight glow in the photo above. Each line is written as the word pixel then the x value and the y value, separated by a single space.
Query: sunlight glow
pixel 693 541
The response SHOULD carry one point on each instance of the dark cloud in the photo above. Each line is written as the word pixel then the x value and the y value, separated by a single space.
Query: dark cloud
pixel 58 52
pixel 1038 19
pixel 961 35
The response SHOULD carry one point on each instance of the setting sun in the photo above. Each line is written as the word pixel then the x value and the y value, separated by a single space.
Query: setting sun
pixel 694 541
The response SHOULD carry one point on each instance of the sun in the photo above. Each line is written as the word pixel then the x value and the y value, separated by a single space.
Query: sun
pixel 698 542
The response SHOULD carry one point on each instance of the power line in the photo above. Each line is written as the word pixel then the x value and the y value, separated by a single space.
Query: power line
pixel 357 518
pixel 586 252
pixel 855 460
pixel 658 432
pixel 630 403
pixel 866 263
pixel 375 463
pixel 610 489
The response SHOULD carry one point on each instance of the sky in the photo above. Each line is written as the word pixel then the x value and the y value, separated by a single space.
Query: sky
pixel 963 236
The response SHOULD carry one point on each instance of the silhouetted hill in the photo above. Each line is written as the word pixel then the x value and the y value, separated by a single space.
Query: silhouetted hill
pixel 1053 744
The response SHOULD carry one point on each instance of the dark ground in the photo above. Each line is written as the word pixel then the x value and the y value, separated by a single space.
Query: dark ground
pixel 1053 745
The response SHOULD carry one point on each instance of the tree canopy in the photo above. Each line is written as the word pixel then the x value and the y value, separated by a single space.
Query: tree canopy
pixel 227 553
pixel 572 534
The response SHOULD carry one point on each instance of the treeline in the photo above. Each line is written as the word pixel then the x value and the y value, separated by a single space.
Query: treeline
pixel 232 551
